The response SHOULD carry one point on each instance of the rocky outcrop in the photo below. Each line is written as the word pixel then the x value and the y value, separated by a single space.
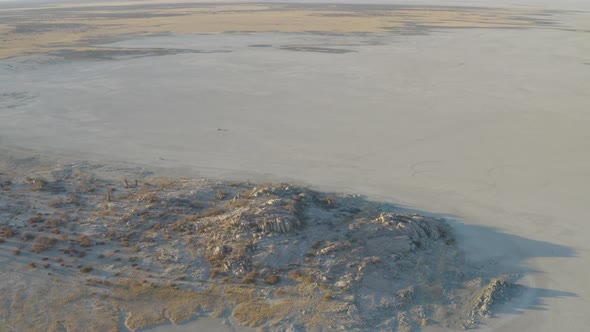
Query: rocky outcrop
pixel 496 293
pixel 279 225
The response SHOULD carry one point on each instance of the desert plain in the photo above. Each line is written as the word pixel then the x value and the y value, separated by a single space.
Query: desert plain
pixel 474 111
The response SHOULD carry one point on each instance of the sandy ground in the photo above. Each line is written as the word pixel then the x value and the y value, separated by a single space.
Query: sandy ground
pixel 45 27
pixel 485 126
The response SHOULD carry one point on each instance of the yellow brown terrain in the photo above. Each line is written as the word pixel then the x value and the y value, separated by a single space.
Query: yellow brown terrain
pixel 42 28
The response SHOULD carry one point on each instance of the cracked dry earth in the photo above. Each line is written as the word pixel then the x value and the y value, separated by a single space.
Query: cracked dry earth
pixel 82 251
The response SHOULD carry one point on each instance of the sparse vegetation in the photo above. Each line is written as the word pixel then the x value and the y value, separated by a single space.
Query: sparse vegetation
pixel 250 278
pixel 220 194
pixel 272 279
pixel 268 259
pixel 27 236
pixel 329 201
pixel 253 313
pixel 36 183
pixel 43 243
pixel 7 232
pixel 84 241
pixel 86 269
pixel 295 275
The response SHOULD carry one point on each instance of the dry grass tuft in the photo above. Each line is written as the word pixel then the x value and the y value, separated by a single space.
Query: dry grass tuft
pixel 327 297
pixel 220 195
pixel 26 236
pixel 86 269
pixel 84 241
pixel 250 278
pixel 36 183
pixel 272 279
pixel 253 313
pixel 328 201
pixel 148 304
pixel 43 243
pixel 7 231
pixel 295 275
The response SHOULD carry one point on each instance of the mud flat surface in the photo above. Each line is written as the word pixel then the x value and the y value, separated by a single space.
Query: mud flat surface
pixel 40 27
pixel 81 250
pixel 475 111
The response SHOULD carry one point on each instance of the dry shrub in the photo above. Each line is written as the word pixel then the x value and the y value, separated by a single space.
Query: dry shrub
pixel 84 241
pixel 308 279
pixel 328 201
pixel 26 236
pixel 300 276
pixel 36 183
pixel 86 269
pixel 272 279
pixel 295 275
pixel 7 231
pixel 250 278
pixel 43 243
pixel 220 194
